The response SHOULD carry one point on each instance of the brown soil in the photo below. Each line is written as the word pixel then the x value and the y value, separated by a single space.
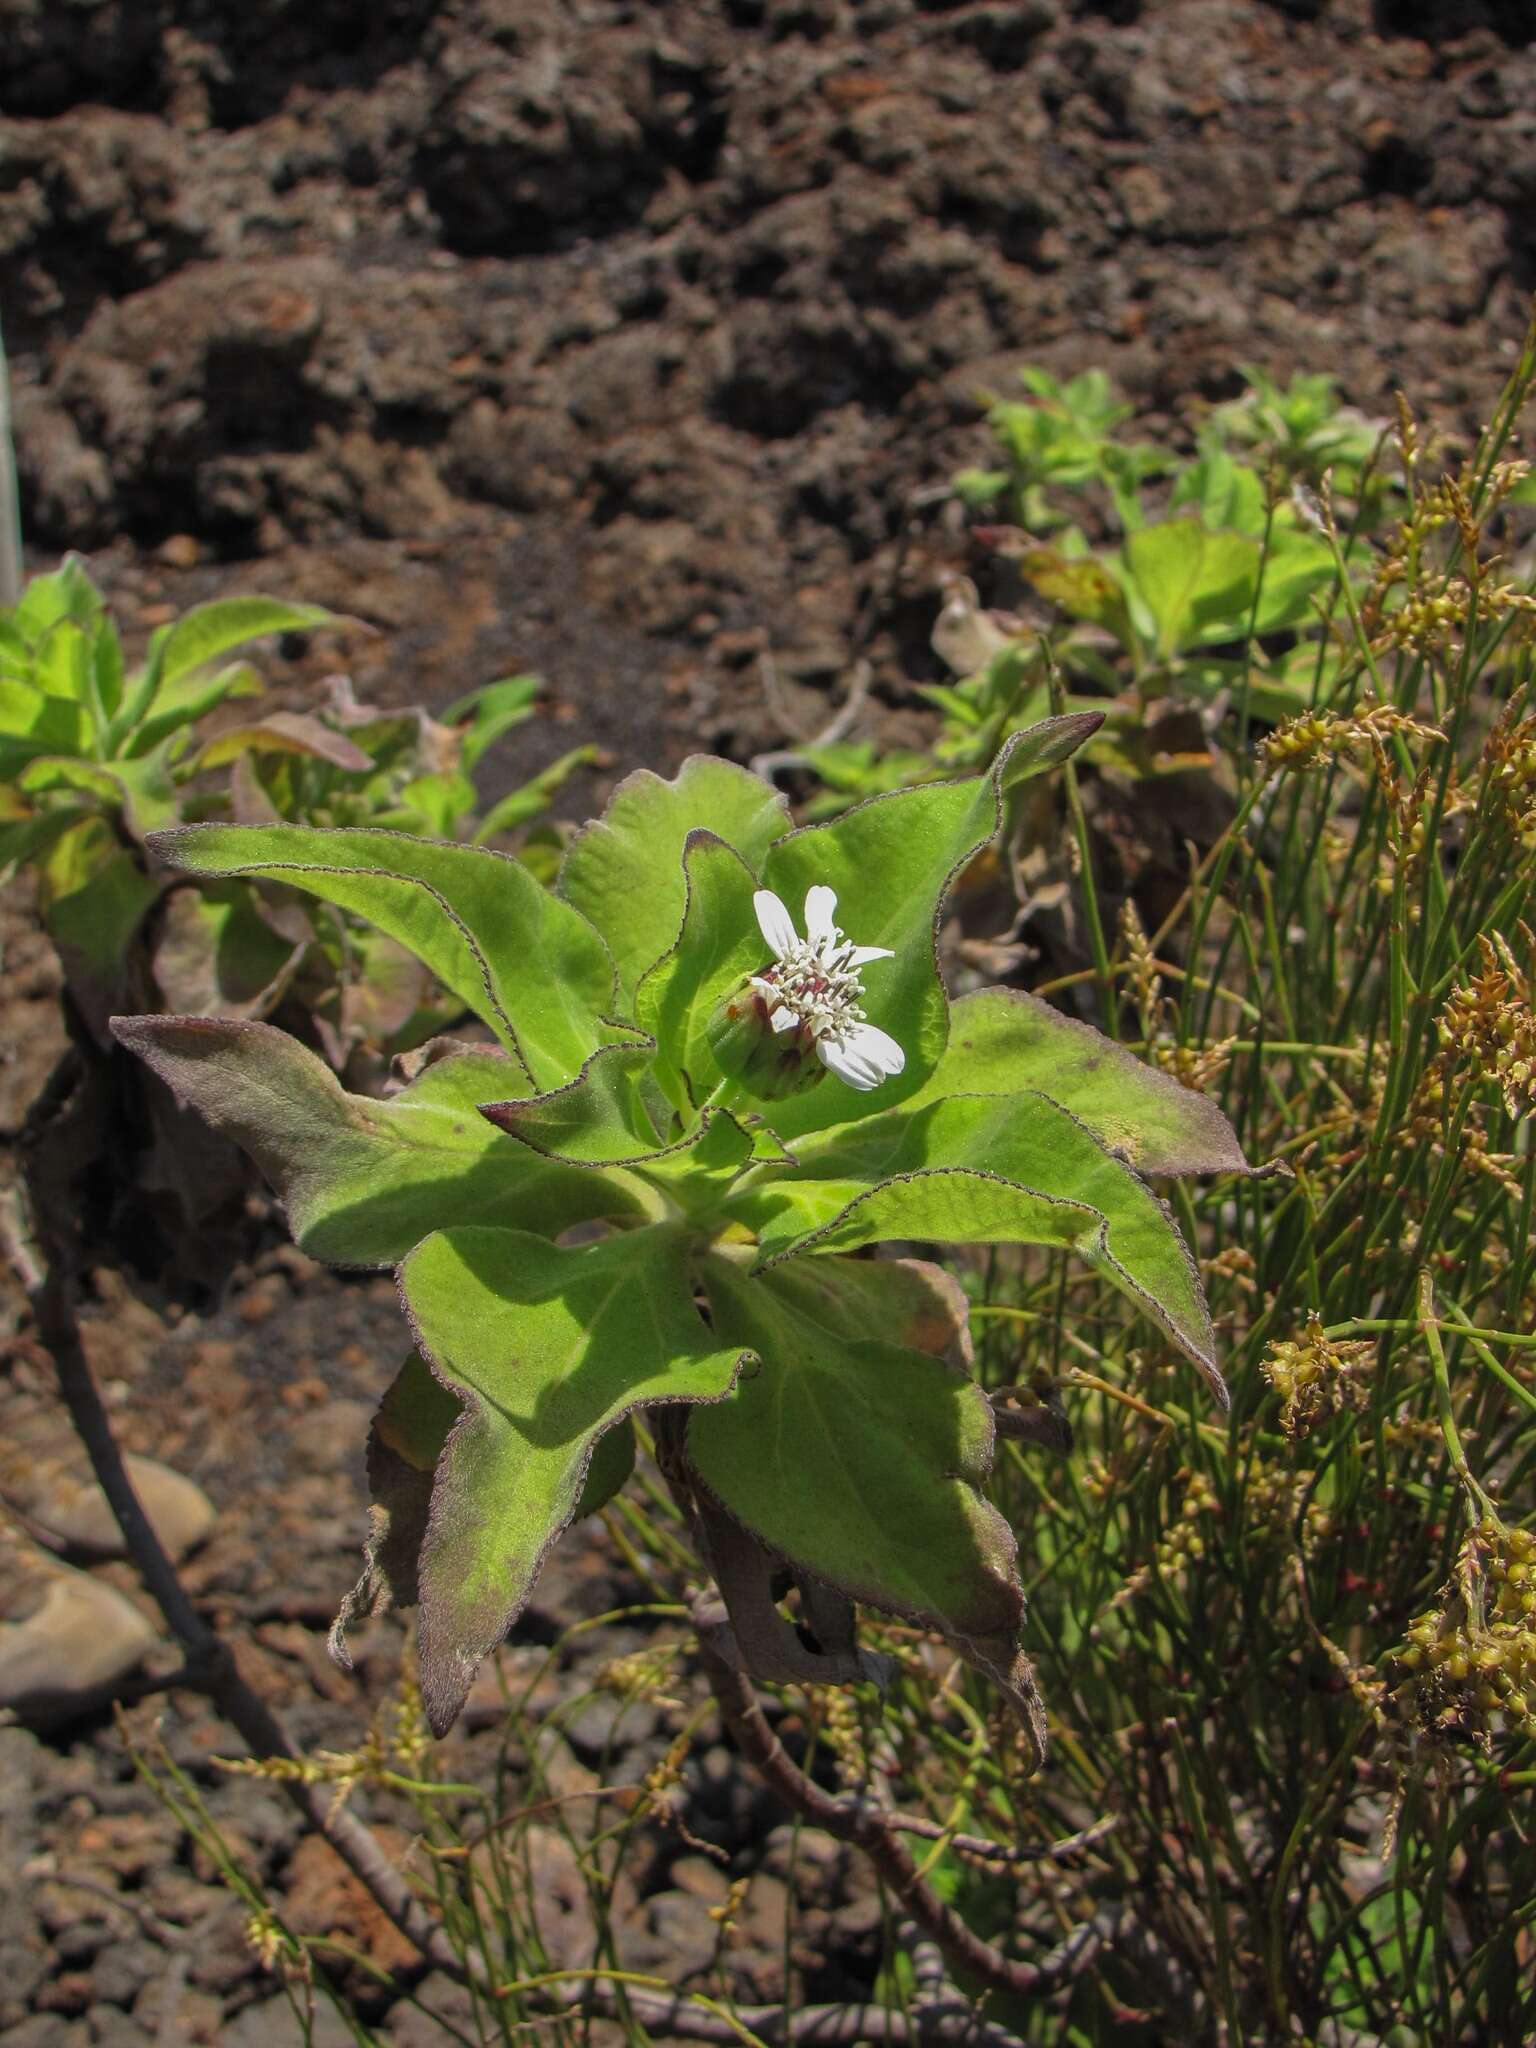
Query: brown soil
pixel 616 340
pixel 621 342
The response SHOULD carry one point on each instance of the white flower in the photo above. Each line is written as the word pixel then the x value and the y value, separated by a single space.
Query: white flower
pixel 814 987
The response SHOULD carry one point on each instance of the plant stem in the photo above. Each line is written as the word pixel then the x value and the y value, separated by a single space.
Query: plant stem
pixel 210 1659
pixel 870 1830
pixel 828 2026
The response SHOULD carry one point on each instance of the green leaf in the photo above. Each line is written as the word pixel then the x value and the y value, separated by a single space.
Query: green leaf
pixel 363 1180
pixel 624 871
pixel 1002 1040
pixel 913 1303
pixel 215 955
pixel 141 790
pixel 170 690
pixel 1295 565
pixel 1084 589
pixel 599 1118
pixel 416 1414
pixel 606 1117
pixel 443 801
pixel 65 771
pixel 613 1460
pixel 891 861
pixel 487 713
pixel 388 999
pixel 31 722
pixel 178 707
pixel 150 801
pixel 1192 582
pixel 24 835
pixel 406 1439
pixel 68 593
pixel 987 1169
pixel 855 1458
pixel 209 630
pixel 1227 493
pixel 719 945
pixel 522 960
pixel 107 667
pixel 65 664
pixel 93 896
pixel 405 1442
pixel 978 488
pixel 547 1348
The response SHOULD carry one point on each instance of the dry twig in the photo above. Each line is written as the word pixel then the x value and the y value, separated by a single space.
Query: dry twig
pixel 874 1831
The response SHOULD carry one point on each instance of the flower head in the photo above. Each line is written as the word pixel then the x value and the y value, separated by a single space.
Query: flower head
pixel 800 1018
pixel 812 990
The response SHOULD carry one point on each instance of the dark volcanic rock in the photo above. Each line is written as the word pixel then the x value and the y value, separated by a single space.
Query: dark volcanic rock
pixel 700 295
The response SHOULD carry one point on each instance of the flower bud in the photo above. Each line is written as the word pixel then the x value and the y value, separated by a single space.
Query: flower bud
pixel 767 1063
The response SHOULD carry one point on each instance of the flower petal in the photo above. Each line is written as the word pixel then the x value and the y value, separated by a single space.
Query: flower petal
pixel 841 1060
pixel 860 956
pixel 880 1045
pixel 869 1042
pixel 863 1057
pixel 783 1020
pixel 820 905
pixel 775 923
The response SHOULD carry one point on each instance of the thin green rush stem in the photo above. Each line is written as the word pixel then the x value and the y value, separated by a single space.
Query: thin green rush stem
pixel 1429 1325
pixel 1096 941
pixel 1521 1241
pixel 1512 401
pixel 1232 841
pixel 1250 635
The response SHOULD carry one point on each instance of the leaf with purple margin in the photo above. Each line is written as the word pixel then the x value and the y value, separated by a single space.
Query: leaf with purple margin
pixel 525 962
pixel 718 946
pixel 987 1169
pixel 608 1117
pixel 624 871
pixel 856 1458
pixel 364 1180
pixel 547 1348
pixel 1002 1040
pixel 410 1429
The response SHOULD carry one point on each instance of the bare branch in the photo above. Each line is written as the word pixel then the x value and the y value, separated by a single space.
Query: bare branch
pixel 50 1283
pixel 978 1847
pixel 826 2026
pixel 873 1831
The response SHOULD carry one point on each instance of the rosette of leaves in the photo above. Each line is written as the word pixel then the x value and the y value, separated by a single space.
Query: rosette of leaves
pixel 1213 597
pixel 1062 437
pixel 1309 432
pixel 591 1222
pixel 94 757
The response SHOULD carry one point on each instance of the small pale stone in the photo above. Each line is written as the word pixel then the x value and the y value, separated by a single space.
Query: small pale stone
pixel 57 1496
pixel 66 1640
